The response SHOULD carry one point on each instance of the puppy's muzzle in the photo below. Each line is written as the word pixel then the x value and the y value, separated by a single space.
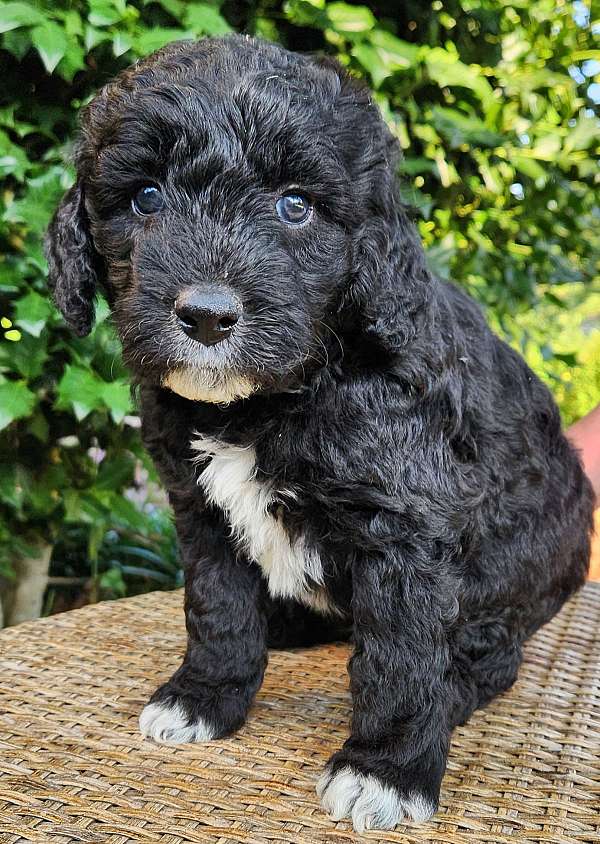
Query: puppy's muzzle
pixel 207 315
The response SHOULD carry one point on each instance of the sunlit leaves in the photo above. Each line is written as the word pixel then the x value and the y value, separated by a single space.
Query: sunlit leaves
pixel 16 401
pixel 83 390
pixel 14 15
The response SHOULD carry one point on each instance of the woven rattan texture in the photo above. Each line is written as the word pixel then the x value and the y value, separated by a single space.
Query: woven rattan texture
pixel 73 767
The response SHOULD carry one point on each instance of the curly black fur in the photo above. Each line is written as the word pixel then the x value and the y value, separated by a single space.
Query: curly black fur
pixel 398 441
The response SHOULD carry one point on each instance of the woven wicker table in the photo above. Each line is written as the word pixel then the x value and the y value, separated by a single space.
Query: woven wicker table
pixel 73 767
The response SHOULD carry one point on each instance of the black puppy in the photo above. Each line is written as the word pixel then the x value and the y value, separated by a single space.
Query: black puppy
pixel 345 443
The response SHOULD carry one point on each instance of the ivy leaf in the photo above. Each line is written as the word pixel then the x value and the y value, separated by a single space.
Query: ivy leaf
pixel 397 54
pixel 307 13
pixel 447 70
pixel 26 358
pixel 72 61
pixel 39 202
pixel 103 13
pixel 16 401
pixel 176 8
pixel 205 19
pixel 117 397
pixel 51 43
pixel 121 43
pixel 155 38
pixel 14 15
pixel 92 37
pixel 350 20
pixel 384 54
pixel 32 312
pixel 13 160
pixel 80 389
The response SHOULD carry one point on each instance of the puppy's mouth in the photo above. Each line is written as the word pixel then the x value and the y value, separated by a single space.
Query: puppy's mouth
pixel 199 383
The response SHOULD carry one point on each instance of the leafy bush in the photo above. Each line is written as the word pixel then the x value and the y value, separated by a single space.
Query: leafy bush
pixel 494 106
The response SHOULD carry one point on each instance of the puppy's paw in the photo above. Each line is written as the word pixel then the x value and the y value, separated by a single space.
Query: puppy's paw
pixel 369 801
pixel 184 710
pixel 168 722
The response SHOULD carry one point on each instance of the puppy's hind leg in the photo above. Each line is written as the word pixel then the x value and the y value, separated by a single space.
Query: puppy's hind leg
pixel 293 625
pixel 487 653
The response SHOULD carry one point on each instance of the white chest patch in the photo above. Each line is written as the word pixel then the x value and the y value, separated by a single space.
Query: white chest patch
pixel 229 481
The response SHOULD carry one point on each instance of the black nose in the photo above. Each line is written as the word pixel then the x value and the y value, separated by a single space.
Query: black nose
pixel 207 316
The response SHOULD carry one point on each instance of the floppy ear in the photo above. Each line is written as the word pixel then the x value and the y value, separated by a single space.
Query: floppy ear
pixel 389 291
pixel 73 263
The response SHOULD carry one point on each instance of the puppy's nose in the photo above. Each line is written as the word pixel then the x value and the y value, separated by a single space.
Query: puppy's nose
pixel 207 316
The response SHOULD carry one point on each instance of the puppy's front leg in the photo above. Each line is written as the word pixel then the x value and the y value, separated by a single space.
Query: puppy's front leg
pixel 392 765
pixel 210 694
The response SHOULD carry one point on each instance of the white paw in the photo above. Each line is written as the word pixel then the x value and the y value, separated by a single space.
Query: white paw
pixel 167 723
pixel 369 802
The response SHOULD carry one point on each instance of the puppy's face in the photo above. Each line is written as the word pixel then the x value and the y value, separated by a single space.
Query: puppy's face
pixel 221 213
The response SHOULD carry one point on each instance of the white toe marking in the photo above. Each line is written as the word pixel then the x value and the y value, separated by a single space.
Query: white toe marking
pixel 168 724
pixel 371 803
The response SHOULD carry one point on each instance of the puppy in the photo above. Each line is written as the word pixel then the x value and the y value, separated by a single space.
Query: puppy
pixel 345 444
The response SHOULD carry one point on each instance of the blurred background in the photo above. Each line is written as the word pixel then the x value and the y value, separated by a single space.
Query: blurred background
pixel 495 104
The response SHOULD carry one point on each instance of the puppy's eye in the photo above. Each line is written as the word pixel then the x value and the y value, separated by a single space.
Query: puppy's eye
pixel 293 208
pixel 148 200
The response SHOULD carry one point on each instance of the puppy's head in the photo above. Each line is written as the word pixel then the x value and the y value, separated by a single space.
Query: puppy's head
pixel 232 200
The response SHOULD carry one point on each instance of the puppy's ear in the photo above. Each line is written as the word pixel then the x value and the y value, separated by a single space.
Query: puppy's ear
pixel 73 263
pixel 389 290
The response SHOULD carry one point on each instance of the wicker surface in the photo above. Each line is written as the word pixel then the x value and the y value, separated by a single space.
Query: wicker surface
pixel 73 767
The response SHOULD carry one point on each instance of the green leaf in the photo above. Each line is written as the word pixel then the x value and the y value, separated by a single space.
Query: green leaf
pixel 115 471
pixel 121 43
pixel 83 507
pixel 123 511
pixel 527 165
pixel 350 20
pixel 154 39
pixel 80 389
pixel 585 133
pixel 112 581
pixel 384 54
pixel 13 160
pixel 117 397
pixel 93 37
pixel 397 54
pixel 26 358
pixel 460 129
pixel 447 70
pixel 16 401
pixel 307 13
pixel 51 43
pixel 13 15
pixel 414 166
pixel 13 482
pixel 32 312
pixel 39 202
pixel 103 13
pixel 205 20
pixel 176 8
pixel 39 427
pixel 72 61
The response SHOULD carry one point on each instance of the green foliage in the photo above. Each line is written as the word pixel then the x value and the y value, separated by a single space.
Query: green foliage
pixel 490 100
